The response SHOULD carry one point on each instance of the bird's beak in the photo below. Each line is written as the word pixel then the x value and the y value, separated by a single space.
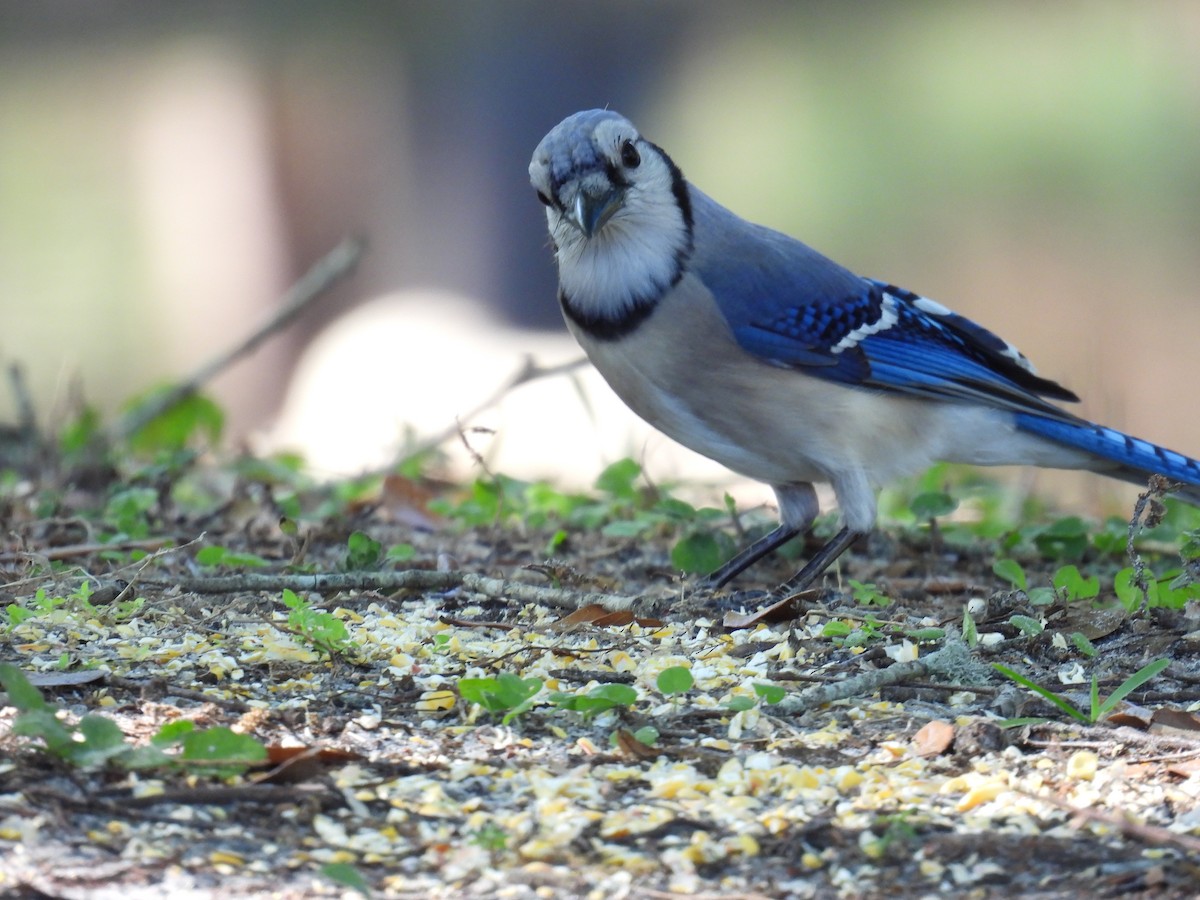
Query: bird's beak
pixel 591 208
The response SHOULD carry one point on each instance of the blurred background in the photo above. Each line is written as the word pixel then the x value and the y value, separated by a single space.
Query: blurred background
pixel 168 169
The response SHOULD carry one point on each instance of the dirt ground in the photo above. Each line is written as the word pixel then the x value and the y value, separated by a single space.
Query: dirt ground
pixel 400 787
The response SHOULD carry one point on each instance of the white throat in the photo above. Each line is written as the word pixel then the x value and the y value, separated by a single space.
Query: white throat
pixel 632 260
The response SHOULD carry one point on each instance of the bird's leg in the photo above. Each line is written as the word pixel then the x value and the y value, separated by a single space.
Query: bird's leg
pixel 836 546
pixel 768 543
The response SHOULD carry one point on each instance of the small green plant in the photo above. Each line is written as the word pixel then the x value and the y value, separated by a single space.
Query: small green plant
pixel 490 837
pixel 96 741
pixel 932 504
pixel 767 694
pixel 42 603
pixel 597 700
pixel 506 693
pixel 363 552
pixel 1171 590
pixel 647 735
pixel 322 631
pixel 846 635
pixel 216 555
pixel 867 594
pixel 193 419
pixel 1027 625
pixel 1083 645
pixel 675 680
pixel 400 552
pixel 347 876
pixel 1099 708
pixel 970 630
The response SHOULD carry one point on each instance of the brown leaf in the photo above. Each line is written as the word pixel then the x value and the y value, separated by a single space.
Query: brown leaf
pixel 65 679
pixel 296 764
pixel 1093 624
pixel 1185 769
pixel 934 738
pixel 597 615
pixel 631 746
pixel 784 610
pixel 1170 719
pixel 1130 718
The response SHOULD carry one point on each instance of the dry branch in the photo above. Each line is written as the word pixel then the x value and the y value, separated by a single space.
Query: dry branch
pixel 324 274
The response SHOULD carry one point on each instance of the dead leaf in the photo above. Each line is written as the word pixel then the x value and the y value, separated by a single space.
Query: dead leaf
pixel 1171 719
pixel 784 610
pixel 934 738
pixel 65 679
pixel 296 764
pixel 631 746
pixel 1093 624
pixel 597 615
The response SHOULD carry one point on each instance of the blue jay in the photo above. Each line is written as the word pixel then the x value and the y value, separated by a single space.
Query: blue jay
pixel 756 351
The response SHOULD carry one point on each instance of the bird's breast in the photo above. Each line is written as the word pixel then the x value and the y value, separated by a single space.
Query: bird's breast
pixel 682 371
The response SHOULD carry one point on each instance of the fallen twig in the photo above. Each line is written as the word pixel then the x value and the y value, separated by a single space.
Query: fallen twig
pixel 952 660
pixel 389 582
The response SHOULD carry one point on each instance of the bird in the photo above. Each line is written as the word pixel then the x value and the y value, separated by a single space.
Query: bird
pixel 757 351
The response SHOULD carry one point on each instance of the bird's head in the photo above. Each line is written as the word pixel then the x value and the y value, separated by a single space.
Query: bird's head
pixel 618 211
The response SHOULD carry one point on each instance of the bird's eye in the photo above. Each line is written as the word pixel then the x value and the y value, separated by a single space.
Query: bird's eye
pixel 543 198
pixel 630 158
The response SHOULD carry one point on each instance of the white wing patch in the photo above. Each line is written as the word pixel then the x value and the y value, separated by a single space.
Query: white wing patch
pixel 925 305
pixel 933 308
pixel 887 318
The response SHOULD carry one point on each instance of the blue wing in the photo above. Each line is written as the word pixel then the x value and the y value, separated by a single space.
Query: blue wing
pixel 791 306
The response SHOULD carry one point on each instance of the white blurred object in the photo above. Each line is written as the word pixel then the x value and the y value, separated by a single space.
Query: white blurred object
pixel 411 363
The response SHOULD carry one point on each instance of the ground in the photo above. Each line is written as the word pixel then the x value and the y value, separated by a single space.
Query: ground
pixel 785 765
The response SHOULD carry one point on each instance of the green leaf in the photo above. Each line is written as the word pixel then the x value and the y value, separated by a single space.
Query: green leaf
pixel 925 635
pixel 867 594
pixel 1026 624
pixel 362 552
pixel 1063 704
pixel 1130 684
pixel 148 756
pixel 128 511
pixel 401 552
pixel 739 704
pixel 21 692
pixel 969 629
pixel 504 692
pixel 835 629
pixel 647 734
pixel 1127 591
pixel 675 680
pixel 618 480
pixel 43 723
pixel 697 553
pixel 1065 539
pixel 216 555
pixel 627 528
pixel 102 740
pixel 1069 579
pixel 173 732
pixel 932 504
pixel 769 693
pixel 1083 645
pixel 347 876
pixel 228 752
pixel 194 418
pixel 1012 572
pixel 83 432
pixel 597 700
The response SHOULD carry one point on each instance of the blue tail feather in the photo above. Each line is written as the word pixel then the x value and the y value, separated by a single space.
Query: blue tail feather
pixel 1135 458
